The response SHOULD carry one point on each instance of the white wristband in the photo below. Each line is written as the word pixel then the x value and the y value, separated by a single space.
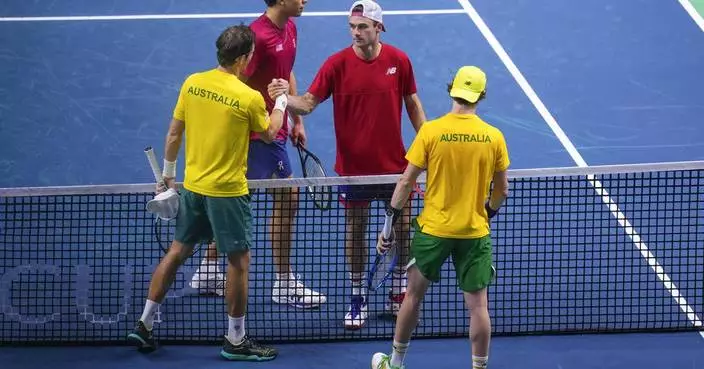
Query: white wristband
pixel 169 169
pixel 281 103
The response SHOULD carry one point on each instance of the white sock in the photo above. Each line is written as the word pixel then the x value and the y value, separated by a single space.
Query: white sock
pixel 399 353
pixel 148 314
pixel 479 362
pixel 235 329
pixel 357 289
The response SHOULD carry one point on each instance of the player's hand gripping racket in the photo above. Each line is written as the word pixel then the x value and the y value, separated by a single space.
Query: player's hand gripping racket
pixel 386 257
pixel 164 205
pixel 312 167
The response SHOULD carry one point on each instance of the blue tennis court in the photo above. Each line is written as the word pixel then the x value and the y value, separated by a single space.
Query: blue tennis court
pixel 87 85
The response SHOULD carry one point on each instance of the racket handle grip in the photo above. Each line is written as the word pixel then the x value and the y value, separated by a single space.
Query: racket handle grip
pixel 388 223
pixel 391 217
pixel 156 170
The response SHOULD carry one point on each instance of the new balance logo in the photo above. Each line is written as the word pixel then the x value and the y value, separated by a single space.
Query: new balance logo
pixel 391 71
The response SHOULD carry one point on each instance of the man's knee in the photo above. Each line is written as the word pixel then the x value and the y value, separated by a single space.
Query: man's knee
pixel 415 293
pixel 285 199
pixel 356 218
pixel 178 252
pixel 477 300
pixel 417 283
pixel 239 260
pixel 356 229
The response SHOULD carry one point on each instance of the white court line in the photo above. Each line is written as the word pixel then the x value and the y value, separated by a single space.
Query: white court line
pixel 577 157
pixel 687 5
pixel 209 16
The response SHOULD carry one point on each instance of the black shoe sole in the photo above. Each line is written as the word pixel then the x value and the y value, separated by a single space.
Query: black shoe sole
pixel 241 357
pixel 142 346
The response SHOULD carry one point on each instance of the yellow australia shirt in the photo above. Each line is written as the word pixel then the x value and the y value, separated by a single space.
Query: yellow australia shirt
pixel 219 112
pixel 461 153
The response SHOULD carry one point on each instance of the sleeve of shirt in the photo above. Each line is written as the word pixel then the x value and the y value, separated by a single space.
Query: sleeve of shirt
pixel 180 109
pixel 502 160
pixel 418 152
pixel 408 80
pixel 324 81
pixel 258 116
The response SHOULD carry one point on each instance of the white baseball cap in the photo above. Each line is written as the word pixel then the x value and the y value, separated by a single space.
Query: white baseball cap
pixel 370 10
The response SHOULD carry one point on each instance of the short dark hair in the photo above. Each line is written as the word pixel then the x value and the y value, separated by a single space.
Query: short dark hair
pixel 463 101
pixel 270 3
pixel 234 42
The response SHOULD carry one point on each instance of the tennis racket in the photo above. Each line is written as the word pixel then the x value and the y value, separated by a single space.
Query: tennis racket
pixel 158 229
pixel 161 228
pixel 154 165
pixel 384 263
pixel 312 167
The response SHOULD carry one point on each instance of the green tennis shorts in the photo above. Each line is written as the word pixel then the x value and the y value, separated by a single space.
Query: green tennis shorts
pixel 227 220
pixel 472 258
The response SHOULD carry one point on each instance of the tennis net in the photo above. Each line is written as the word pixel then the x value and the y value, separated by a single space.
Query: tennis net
pixel 577 250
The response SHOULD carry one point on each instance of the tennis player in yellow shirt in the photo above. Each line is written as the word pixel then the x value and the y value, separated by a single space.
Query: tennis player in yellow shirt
pixel 462 155
pixel 217 112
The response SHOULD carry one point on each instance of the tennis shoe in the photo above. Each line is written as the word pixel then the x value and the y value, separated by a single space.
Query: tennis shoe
pixel 383 361
pixel 357 313
pixel 296 294
pixel 209 280
pixel 142 338
pixel 247 350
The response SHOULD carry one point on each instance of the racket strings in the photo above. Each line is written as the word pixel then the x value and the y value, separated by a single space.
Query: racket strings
pixel 162 234
pixel 322 194
pixel 385 264
pixel 313 169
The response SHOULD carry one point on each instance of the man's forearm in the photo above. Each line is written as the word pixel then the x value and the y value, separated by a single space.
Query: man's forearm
pixel 293 91
pixel 414 108
pixel 401 193
pixel 172 146
pixel 417 117
pixel 277 121
pixel 404 186
pixel 301 105
pixel 292 85
pixel 500 191
pixel 173 141
pixel 415 112
pixel 498 196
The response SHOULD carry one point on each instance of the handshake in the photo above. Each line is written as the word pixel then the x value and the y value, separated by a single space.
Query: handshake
pixel 277 87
